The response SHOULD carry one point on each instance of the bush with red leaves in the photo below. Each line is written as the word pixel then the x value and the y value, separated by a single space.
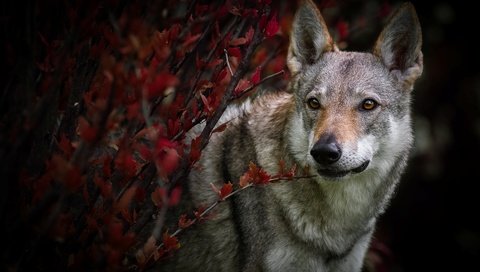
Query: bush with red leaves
pixel 94 117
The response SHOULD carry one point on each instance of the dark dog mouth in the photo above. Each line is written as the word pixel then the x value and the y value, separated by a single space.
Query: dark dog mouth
pixel 332 173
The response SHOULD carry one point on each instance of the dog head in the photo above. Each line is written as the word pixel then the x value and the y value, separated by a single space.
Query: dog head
pixel 353 108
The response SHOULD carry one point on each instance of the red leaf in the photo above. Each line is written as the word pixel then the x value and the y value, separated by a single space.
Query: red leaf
pixel 257 175
pixel 221 75
pixel 184 222
pixel 198 214
pixel 206 103
pixel 238 41
pixel 160 44
pixel 174 31
pixel 245 179
pixel 195 149
pixel 235 52
pixel 262 177
pixel 126 164
pixel 263 21
pixel 226 190
pixel 65 145
pixel 284 172
pixel 256 75
pixel 86 131
pixel 214 63
pixel 250 12
pixel 191 39
pixel 221 127
pixel 166 156
pixel 272 26
pixel 241 86
pixel 145 152
pixel 175 196
pixel 161 82
pixel 170 242
pixel 173 127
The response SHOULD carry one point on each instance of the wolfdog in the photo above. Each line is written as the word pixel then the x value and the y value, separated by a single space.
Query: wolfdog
pixel 346 118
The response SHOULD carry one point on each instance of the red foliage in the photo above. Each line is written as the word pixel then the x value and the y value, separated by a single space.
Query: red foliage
pixel 254 175
pixel 170 242
pixel 175 196
pixel 227 189
pixel 272 26
pixel 256 75
pixel 184 222
pixel 235 52
pixel 128 104
pixel 86 131
pixel 161 82
pixel 126 164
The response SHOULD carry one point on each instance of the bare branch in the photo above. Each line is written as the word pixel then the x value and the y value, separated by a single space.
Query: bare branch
pixel 228 62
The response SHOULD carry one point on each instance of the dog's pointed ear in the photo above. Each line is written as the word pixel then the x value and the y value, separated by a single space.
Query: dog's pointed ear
pixel 309 37
pixel 399 45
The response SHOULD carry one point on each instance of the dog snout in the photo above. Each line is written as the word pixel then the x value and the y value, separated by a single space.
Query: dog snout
pixel 326 150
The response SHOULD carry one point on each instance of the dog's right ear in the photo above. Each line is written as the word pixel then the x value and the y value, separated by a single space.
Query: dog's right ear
pixel 309 37
pixel 399 45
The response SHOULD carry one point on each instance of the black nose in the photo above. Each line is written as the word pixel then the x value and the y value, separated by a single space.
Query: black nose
pixel 326 150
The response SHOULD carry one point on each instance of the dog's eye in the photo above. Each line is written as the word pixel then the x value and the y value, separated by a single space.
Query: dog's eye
pixel 369 104
pixel 313 103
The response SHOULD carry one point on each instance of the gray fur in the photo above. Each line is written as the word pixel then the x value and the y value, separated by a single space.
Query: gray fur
pixel 323 223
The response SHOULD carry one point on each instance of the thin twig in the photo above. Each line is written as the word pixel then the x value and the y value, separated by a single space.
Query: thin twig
pixel 220 200
pixel 228 62
pixel 239 73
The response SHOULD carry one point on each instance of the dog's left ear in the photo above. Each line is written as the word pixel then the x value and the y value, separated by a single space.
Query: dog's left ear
pixel 399 45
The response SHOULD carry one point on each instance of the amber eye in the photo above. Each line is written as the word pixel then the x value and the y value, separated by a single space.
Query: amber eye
pixel 313 103
pixel 369 104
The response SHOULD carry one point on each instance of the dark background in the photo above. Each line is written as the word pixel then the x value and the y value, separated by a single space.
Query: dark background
pixel 432 222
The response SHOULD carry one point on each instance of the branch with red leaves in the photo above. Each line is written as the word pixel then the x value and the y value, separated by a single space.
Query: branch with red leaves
pixel 254 176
